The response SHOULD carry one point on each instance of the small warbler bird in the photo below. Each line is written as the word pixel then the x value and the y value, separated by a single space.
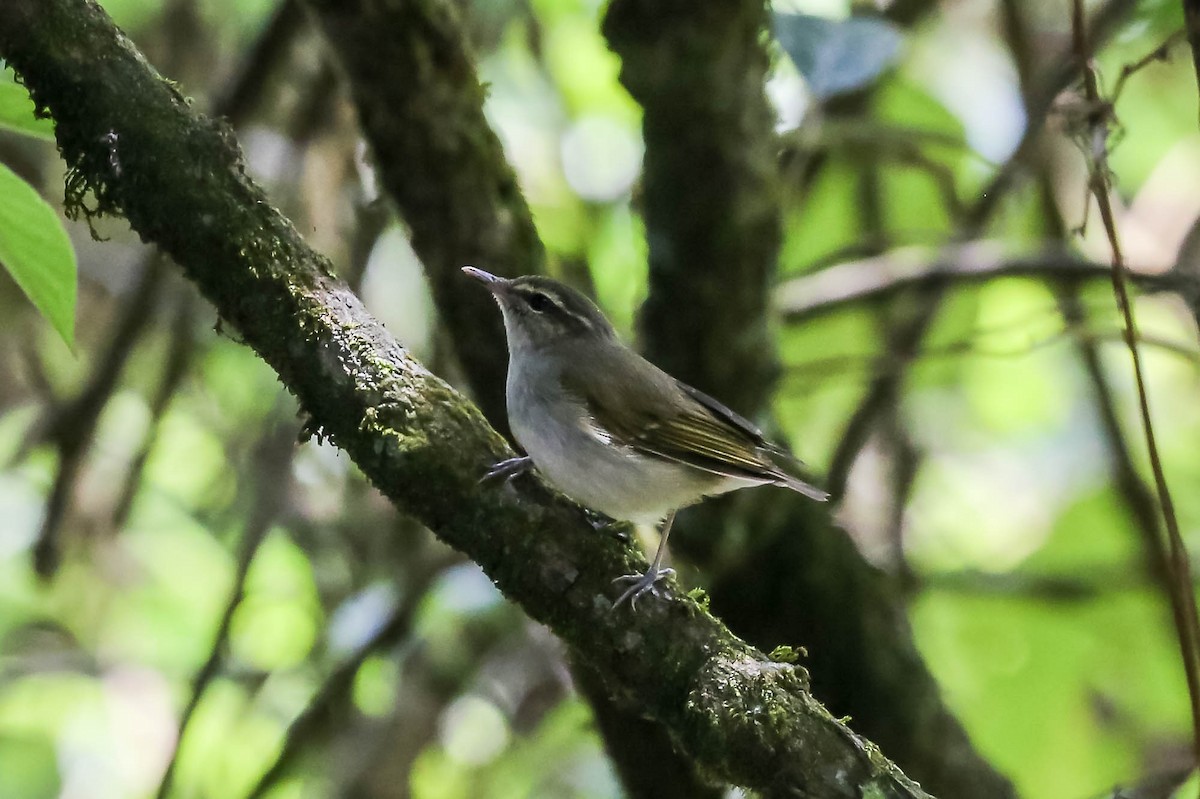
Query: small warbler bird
pixel 610 429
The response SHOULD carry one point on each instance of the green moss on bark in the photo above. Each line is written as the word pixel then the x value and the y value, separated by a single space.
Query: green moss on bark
pixel 178 178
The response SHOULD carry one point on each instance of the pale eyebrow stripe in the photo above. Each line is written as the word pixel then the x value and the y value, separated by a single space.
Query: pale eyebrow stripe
pixel 554 298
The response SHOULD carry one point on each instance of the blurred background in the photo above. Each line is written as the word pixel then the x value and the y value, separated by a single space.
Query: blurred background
pixel 171 558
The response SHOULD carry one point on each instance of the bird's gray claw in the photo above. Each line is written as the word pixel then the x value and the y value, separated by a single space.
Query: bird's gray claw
pixel 508 469
pixel 607 525
pixel 642 584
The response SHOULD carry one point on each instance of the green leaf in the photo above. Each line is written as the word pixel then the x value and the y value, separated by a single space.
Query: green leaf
pixel 16 112
pixel 838 57
pixel 35 250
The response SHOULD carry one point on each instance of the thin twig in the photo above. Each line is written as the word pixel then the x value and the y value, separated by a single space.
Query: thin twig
pixel 71 425
pixel 902 455
pixel 1138 498
pixel 1160 53
pixel 1180 588
pixel 814 369
pixel 895 272
pixel 1137 495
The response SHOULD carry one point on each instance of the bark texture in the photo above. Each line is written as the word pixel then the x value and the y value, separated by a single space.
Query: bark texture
pixel 130 139
pixel 444 168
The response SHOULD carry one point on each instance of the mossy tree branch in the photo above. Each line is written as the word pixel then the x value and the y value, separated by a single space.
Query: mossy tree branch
pixel 132 141
pixel 412 152
pixel 444 168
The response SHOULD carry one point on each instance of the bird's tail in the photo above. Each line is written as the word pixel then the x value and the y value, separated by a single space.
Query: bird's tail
pixel 787 466
pixel 801 487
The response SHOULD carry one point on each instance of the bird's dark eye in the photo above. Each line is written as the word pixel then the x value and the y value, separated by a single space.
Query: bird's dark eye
pixel 539 302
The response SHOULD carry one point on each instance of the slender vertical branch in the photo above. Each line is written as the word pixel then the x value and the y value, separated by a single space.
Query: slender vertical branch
pixel 71 425
pixel 1183 599
pixel 180 354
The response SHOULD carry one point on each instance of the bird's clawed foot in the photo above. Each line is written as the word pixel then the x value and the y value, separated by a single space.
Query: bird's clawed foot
pixel 642 584
pixel 508 469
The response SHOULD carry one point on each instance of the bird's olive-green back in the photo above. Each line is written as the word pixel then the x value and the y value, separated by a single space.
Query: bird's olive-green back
pixel 651 411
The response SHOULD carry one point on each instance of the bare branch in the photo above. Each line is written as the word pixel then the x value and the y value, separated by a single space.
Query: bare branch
pixel 886 276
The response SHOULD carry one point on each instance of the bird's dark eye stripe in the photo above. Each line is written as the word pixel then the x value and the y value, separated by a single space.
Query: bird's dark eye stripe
pixel 542 302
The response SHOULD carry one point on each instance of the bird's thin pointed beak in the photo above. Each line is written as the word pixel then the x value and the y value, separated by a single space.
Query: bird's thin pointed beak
pixel 493 282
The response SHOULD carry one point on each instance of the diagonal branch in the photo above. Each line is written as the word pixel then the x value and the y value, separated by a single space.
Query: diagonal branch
pixel 273 457
pixel 72 425
pixel 741 716
pixel 442 165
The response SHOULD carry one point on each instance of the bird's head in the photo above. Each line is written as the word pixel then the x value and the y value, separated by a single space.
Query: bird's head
pixel 541 312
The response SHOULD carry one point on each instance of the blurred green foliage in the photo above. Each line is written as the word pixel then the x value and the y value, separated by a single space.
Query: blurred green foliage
pixel 36 253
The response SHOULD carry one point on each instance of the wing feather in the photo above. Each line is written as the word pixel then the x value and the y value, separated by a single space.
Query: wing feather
pixel 657 415
pixel 674 421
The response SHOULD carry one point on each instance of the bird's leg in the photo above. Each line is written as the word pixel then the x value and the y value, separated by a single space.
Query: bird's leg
pixel 643 583
pixel 603 523
pixel 508 469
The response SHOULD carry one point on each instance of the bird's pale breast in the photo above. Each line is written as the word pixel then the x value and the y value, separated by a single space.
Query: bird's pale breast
pixel 583 463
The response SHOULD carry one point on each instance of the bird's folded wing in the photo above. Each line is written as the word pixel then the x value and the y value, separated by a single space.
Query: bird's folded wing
pixel 700 440
pixel 692 429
